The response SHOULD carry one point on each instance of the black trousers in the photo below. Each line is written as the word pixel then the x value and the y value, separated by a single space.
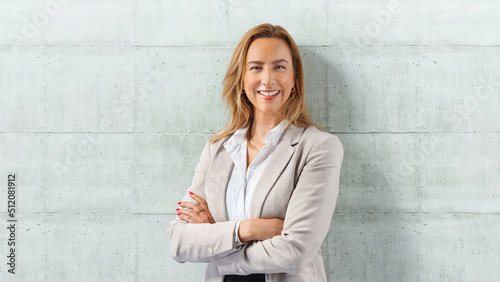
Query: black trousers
pixel 246 278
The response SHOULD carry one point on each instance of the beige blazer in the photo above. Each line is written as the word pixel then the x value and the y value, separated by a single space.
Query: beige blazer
pixel 300 185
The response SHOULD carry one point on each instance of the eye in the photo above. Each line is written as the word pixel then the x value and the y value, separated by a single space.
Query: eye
pixel 255 68
pixel 280 67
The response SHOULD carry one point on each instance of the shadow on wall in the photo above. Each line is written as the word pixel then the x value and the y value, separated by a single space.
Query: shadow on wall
pixel 366 240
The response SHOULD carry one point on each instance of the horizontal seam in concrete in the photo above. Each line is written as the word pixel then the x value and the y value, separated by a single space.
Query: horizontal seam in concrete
pixel 111 133
pixel 75 213
pixel 424 213
pixel 421 132
pixel 233 46
pixel 194 132
pixel 336 214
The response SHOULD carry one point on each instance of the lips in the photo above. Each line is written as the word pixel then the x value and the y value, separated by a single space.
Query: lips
pixel 268 95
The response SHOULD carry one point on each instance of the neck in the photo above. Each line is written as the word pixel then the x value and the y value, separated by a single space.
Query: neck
pixel 261 125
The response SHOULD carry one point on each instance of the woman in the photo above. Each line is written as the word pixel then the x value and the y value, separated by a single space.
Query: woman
pixel 265 189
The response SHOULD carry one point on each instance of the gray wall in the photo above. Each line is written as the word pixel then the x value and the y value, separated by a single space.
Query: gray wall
pixel 106 105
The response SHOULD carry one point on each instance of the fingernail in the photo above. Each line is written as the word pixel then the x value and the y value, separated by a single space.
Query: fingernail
pixel 179 203
pixel 191 193
pixel 178 214
pixel 177 209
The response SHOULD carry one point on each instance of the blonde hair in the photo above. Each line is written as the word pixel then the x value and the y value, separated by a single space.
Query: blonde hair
pixel 241 109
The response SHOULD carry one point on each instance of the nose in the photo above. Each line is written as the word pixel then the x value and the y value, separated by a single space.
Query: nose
pixel 267 77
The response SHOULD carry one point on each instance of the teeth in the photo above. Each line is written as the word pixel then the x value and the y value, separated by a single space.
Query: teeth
pixel 267 93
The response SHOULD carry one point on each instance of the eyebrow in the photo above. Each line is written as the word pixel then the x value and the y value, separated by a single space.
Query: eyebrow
pixel 261 63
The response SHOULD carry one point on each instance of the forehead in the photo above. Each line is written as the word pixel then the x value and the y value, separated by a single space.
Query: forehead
pixel 264 49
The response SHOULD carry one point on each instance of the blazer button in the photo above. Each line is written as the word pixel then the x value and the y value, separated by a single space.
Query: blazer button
pixel 210 250
pixel 241 270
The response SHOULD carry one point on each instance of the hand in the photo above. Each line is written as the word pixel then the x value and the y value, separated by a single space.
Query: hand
pixel 259 229
pixel 195 212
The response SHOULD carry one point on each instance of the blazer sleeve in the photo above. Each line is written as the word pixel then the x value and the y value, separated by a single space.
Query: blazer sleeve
pixel 306 222
pixel 200 242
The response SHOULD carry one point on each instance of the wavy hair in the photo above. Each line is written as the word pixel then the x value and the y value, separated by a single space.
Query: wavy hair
pixel 241 109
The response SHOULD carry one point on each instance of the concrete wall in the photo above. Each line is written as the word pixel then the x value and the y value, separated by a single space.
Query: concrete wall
pixel 106 105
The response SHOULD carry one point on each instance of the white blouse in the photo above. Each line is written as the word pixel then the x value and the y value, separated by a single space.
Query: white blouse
pixel 242 181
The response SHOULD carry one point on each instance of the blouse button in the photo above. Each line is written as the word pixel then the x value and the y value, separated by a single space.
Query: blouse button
pixel 241 270
pixel 210 250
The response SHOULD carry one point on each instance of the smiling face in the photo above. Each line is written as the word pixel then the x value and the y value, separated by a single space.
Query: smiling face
pixel 269 77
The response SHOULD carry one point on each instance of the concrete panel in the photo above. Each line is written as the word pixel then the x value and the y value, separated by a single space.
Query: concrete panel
pixel 403 247
pixel 95 173
pixel 376 176
pixel 292 15
pixel 171 81
pixel 64 22
pixel 223 23
pixel 395 22
pixel 448 22
pixel 75 248
pixel 461 247
pixel 420 173
pixel 164 23
pixel 77 89
pixel 358 24
pixel 373 248
pixel 23 154
pixel 72 173
pixel 374 92
pixel 459 89
pixel 463 177
pixel 154 262
pixel 22 90
pixel 165 169
pixel 413 89
pixel 182 23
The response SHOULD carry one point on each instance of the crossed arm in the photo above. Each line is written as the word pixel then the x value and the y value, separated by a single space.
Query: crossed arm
pixel 301 232
pixel 196 237
pixel 253 229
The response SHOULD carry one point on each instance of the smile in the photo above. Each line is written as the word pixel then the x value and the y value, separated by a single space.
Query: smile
pixel 268 93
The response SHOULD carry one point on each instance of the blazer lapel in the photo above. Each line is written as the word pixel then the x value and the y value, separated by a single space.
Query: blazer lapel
pixel 278 162
pixel 217 185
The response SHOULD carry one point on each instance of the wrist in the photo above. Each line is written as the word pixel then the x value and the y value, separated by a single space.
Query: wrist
pixel 245 231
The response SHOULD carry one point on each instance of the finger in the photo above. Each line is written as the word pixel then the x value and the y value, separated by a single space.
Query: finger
pixel 199 200
pixel 189 205
pixel 193 217
pixel 195 210
pixel 188 215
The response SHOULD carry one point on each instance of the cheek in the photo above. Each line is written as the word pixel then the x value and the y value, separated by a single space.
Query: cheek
pixel 248 80
pixel 288 80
